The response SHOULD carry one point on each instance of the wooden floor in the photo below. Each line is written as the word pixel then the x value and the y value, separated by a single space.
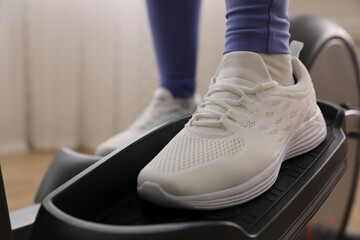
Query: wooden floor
pixel 22 176
pixel 23 173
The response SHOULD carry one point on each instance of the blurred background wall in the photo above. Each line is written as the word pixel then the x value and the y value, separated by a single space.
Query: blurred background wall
pixel 73 73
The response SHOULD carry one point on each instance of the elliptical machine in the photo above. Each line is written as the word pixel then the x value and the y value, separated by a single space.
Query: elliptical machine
pixel 311 200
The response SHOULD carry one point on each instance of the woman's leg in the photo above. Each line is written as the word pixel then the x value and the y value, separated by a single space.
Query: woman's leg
pixel 252 119
pixel 174 25
pixel 261 26
pixel 257 26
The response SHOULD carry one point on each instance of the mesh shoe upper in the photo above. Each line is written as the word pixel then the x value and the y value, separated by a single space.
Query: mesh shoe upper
pixel 242 125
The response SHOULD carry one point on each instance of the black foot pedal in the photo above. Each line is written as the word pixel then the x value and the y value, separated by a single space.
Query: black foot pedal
pixel 102 203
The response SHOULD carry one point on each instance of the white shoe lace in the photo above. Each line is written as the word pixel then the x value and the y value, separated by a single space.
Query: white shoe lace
pixel 206 116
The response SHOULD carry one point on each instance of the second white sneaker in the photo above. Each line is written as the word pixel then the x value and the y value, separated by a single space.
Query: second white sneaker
pixel 231 150
pixel 162 108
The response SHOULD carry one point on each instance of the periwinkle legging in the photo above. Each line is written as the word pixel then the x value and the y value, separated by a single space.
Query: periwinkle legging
pixel 252 25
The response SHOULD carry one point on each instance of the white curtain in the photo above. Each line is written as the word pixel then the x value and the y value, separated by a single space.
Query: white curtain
pixel 86 59
pixel 76 72
pixel 13 130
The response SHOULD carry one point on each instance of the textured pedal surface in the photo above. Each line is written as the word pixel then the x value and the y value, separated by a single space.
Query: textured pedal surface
pixel 102 202
pixel 134 211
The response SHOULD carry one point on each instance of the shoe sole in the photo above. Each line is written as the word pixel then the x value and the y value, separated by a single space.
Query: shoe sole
pixel 305 138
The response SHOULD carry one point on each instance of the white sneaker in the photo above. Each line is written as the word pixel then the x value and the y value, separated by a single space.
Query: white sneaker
pixel 231 150
pixel 162 108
